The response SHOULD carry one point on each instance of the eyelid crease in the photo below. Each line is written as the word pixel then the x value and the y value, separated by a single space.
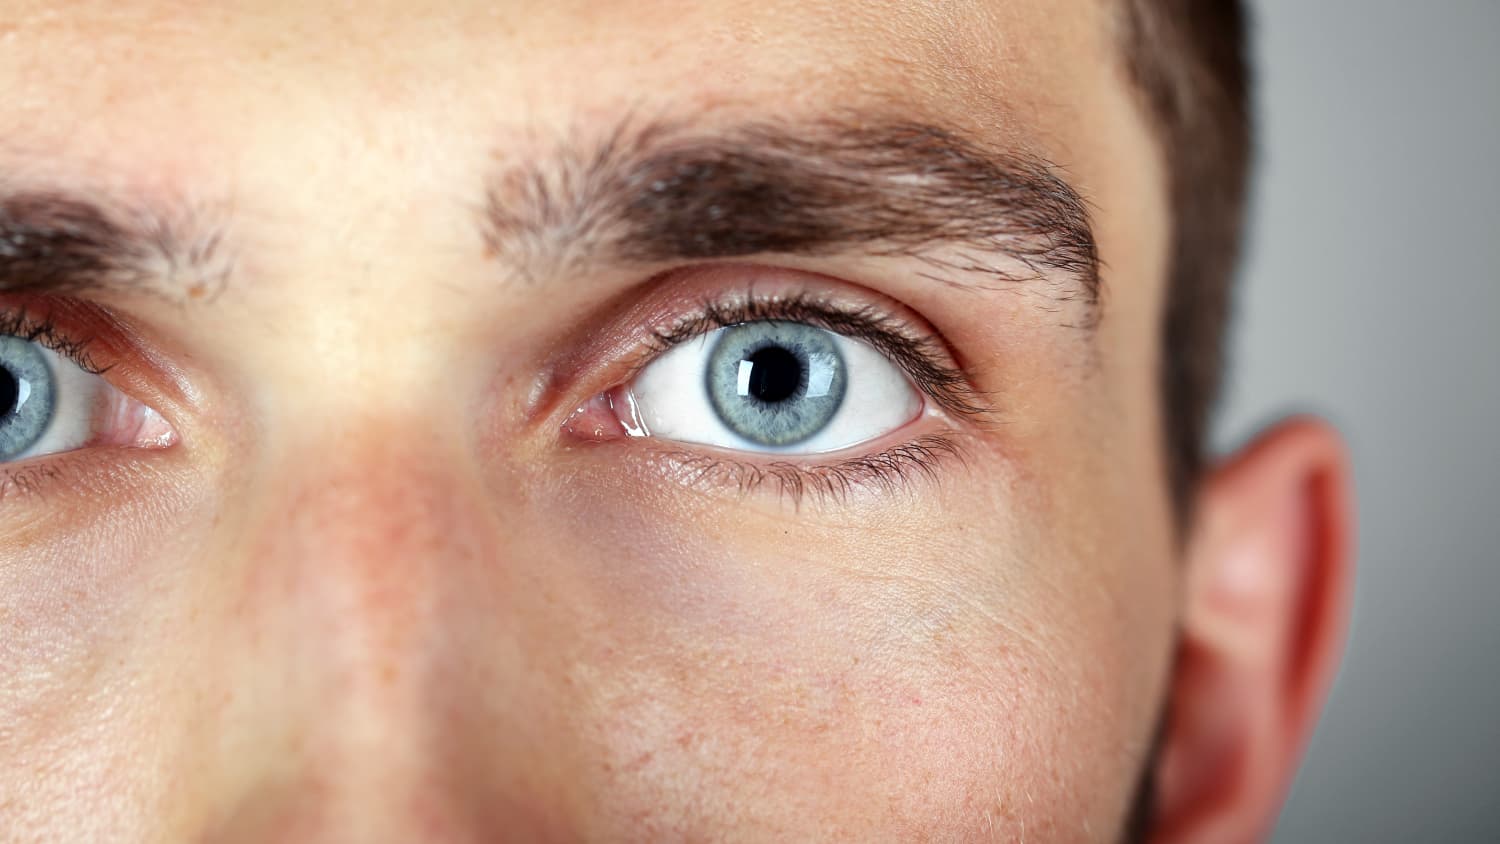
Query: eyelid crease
pixel 922 358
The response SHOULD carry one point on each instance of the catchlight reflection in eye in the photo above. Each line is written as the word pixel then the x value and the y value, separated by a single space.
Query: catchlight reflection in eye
pixel 773 386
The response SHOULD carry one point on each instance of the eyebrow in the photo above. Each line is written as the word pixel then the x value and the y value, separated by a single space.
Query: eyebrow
pixel 57 242
pixel 977 217
pixel 649 193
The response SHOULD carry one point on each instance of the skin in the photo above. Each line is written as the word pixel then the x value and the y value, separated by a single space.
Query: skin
pixel 376 591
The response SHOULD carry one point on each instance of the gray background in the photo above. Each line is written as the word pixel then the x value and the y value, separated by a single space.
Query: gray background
pixel 1372 295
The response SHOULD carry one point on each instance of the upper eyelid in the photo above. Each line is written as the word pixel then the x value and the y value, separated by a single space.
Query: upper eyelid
pixel 924 358
pixel 110 344
pixel 47 332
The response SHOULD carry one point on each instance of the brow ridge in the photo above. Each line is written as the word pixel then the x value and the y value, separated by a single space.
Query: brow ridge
pixel 658 191
pixel 59 241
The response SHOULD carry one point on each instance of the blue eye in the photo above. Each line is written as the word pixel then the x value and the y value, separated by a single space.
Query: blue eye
pixel 776 383
pixel 27 396
pixel 49 404
pixel 774 386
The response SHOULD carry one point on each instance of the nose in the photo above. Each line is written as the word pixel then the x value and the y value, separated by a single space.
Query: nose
pixel 386 642
pixel 373 531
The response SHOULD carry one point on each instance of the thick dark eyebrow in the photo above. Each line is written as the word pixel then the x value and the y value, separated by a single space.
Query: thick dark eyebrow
pixel 657 193
pixel 55 241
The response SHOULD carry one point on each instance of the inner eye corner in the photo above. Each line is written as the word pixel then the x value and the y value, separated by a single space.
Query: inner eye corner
pixel 53 401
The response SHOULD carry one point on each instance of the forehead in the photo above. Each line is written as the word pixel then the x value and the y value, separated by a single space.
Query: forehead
pixel 206 74
pixel 341 127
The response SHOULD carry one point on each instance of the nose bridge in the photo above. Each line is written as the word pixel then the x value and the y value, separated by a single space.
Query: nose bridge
pixel 394 618
pixel 377 518
pixel 367 494
pixel 367 531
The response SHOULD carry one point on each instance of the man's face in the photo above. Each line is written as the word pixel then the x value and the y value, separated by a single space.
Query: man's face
pixel 434 538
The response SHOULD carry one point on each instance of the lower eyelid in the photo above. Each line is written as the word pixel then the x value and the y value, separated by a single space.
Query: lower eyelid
pixel 31 489
pixel 900 466
pixel 895 469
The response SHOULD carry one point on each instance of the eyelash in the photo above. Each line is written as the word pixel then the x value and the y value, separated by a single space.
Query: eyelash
pixel 887 471
pixel 921 357
pixel 18 322
pixel 33 479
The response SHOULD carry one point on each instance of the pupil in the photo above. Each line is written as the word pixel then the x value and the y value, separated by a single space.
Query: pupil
pixel 775 374
pixel 10 391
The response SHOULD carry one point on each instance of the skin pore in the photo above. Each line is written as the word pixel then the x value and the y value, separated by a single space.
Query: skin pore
pixel 396 577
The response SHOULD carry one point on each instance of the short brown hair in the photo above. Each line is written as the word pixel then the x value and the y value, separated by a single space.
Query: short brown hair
pixel 1188 61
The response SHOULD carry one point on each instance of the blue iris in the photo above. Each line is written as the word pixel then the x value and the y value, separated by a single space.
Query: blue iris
pixel 776 383
pixel 27 396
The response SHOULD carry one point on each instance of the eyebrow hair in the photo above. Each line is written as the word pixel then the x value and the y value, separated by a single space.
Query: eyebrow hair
pixel 651 193
pixel 654 192
pixel 53 241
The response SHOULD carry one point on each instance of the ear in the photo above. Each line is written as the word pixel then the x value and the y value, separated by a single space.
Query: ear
pixel 1268 587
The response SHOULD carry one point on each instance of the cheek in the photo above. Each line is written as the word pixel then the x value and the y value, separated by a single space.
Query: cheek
pixel 586 659
pixel 79 695
pixel 77 564
pixel 910 679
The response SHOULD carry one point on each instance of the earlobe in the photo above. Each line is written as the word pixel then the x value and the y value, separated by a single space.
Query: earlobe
pixel 1263 616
